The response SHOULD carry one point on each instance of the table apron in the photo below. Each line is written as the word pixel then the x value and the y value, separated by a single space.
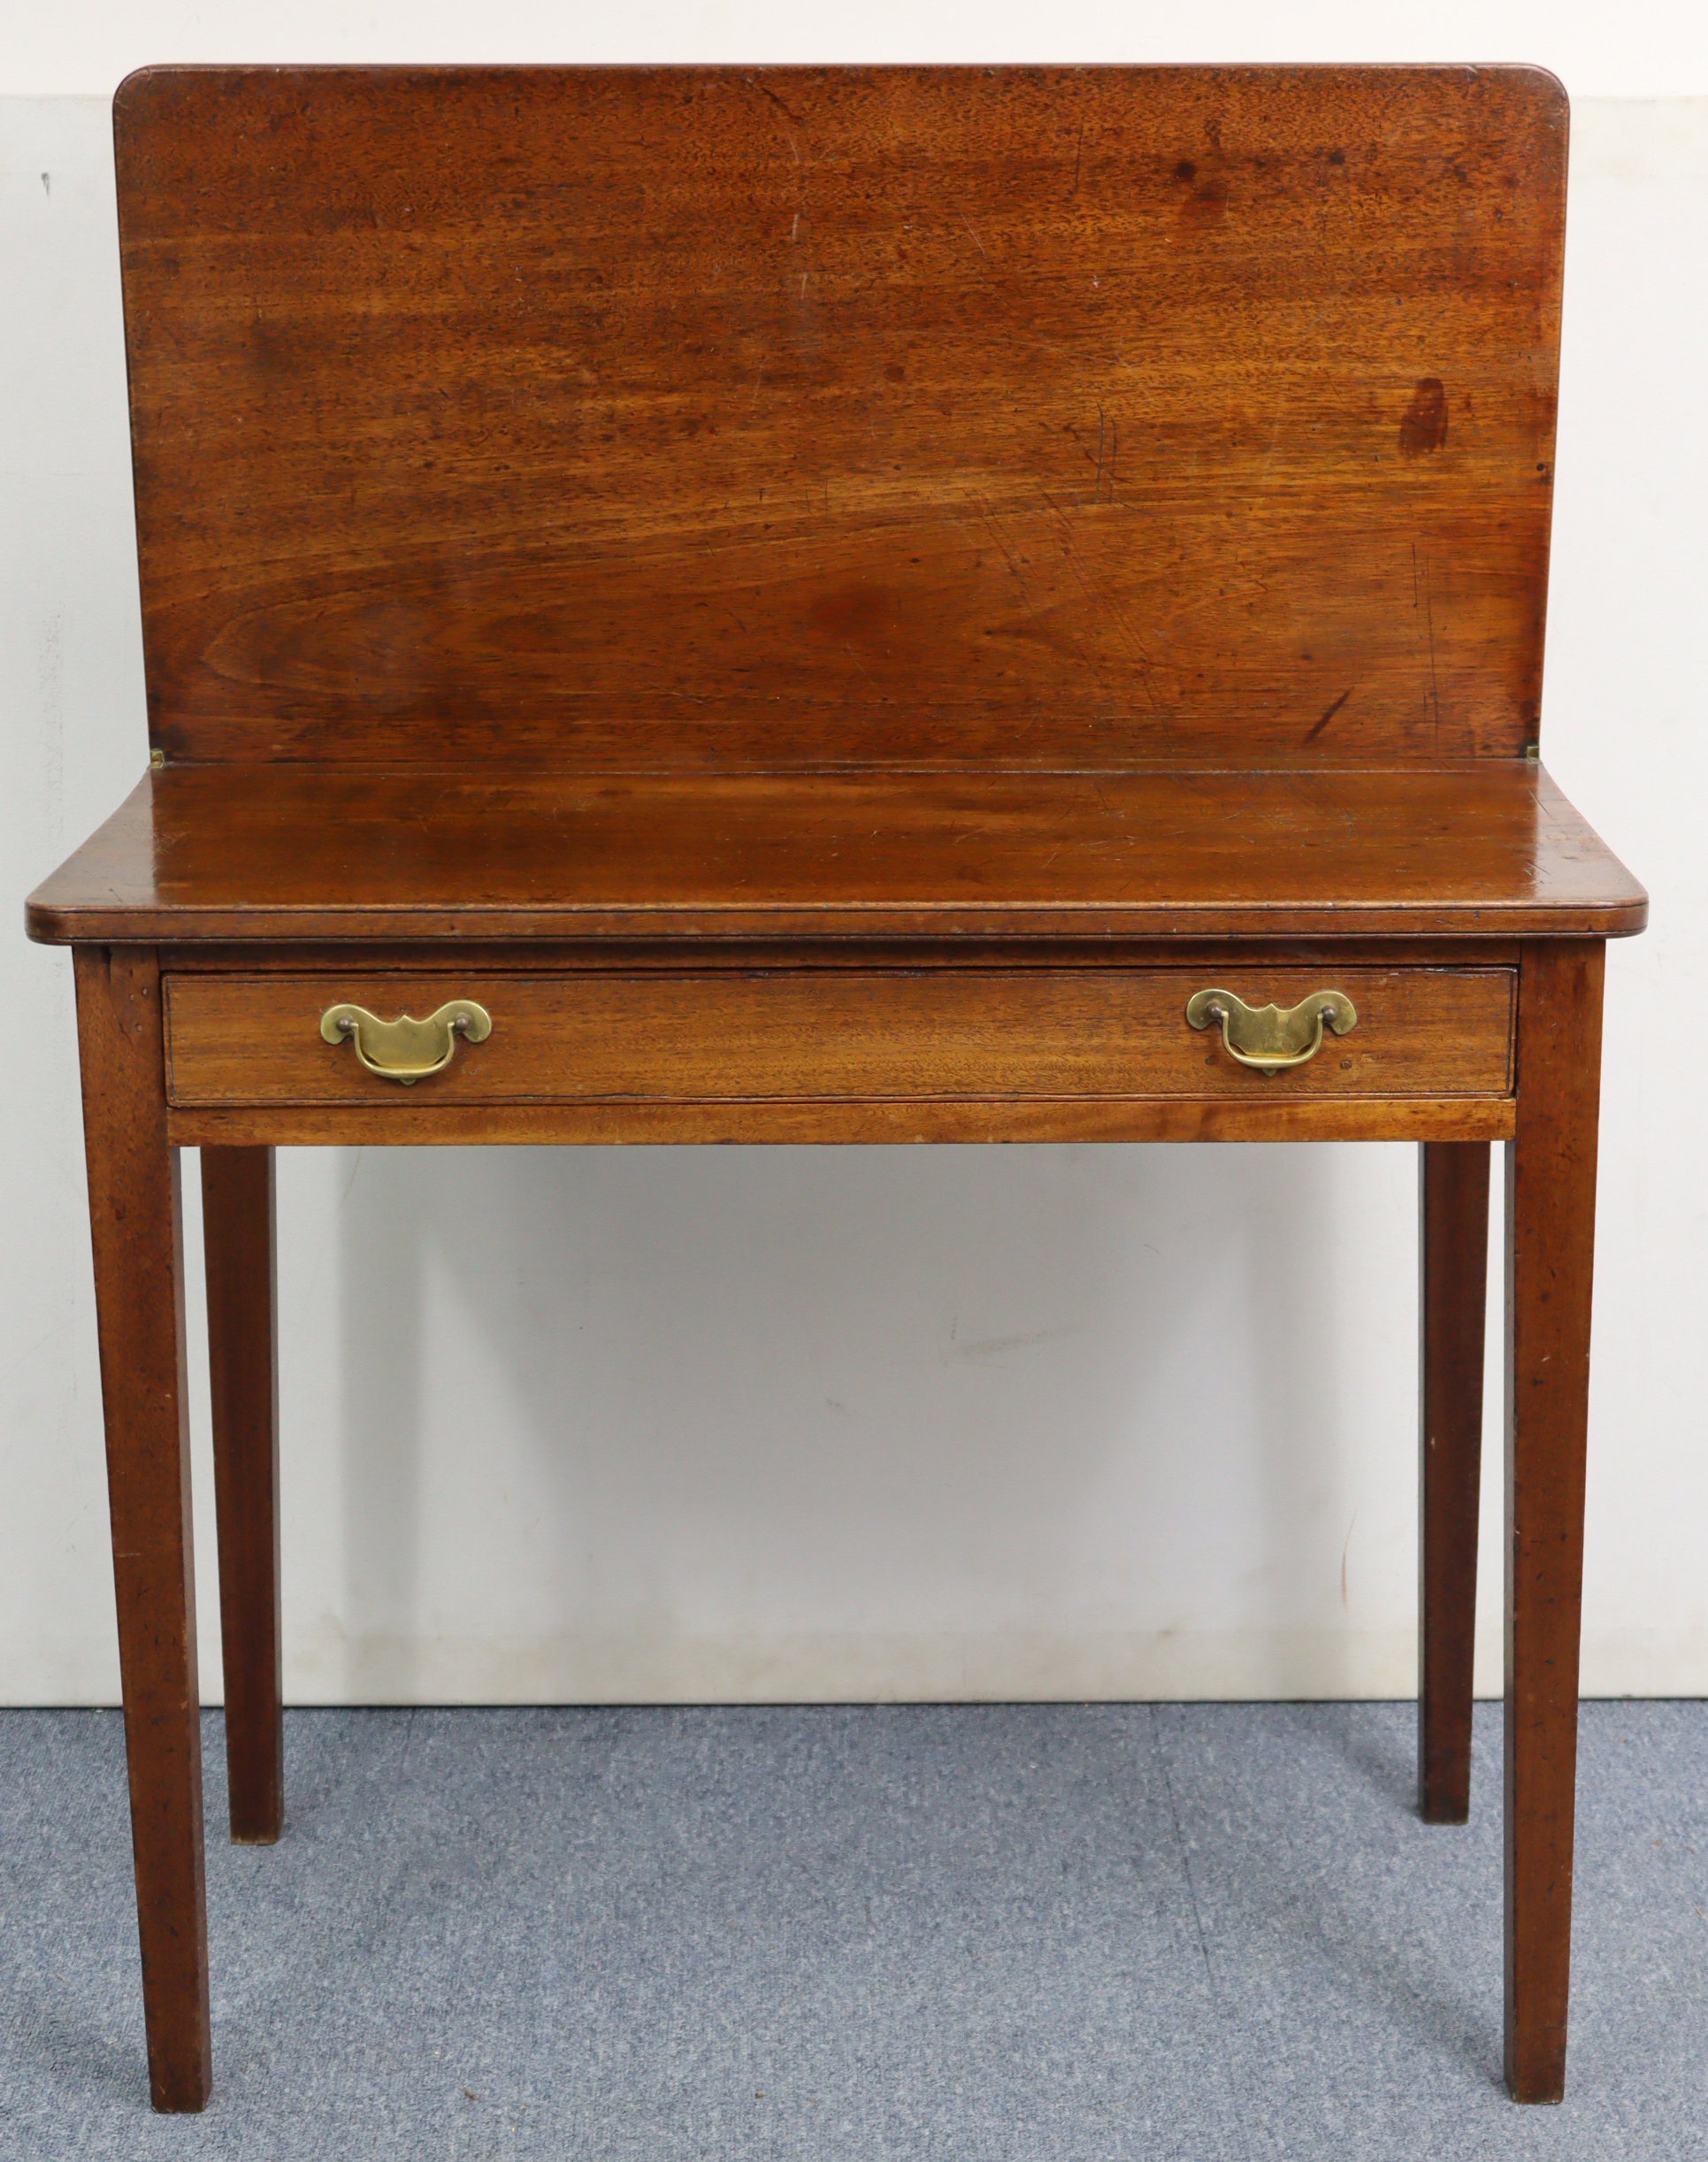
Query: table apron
pixel 907 1037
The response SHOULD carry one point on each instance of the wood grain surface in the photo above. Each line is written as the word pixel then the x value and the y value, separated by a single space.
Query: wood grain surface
pixel 238 1243
pixel 1453 1286
pixel 907 1034
pixel 851 1119
pixel 772 956
pixel 136 1229
pixel 303 853
pixel 1550 1232
pixel 770 417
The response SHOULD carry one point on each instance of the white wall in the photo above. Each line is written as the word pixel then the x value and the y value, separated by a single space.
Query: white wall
pixel 1641 48
pixel 942 1422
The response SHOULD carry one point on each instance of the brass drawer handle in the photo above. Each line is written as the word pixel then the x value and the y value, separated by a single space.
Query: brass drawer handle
pixel 1265 1037
pixel 406 1050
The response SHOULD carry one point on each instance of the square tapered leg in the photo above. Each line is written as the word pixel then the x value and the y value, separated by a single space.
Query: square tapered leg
pixel 134 1222
pixel 1453 1277
pixel 237 1218
pixel 1551 1209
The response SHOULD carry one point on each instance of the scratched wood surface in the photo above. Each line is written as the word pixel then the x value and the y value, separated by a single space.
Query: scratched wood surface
pixel 630 419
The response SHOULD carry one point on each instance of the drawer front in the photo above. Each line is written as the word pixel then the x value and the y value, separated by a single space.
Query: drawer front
pixel 853 1034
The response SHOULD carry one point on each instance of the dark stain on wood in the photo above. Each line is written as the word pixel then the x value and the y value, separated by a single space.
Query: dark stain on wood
pixel 1423 425
pixel 1207 204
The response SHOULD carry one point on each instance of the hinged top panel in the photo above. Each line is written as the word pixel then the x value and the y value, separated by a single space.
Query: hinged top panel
pixel 738 418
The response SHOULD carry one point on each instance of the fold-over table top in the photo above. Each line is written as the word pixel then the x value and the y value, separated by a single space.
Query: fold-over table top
pixel 743 418
pixel 898 502
pixel 225 852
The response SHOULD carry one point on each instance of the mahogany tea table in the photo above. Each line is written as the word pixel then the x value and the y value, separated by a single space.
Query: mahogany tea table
pixel 838 605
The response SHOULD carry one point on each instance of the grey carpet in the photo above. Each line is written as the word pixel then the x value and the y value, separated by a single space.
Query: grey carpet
pixel 1078 1934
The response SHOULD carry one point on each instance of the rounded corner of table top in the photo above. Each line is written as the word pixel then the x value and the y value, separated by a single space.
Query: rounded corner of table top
pixel 46 923
pixel 54 918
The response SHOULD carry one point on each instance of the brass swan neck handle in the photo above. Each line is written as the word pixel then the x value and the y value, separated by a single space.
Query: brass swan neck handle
pixel 1268 1039
pixel 406 1050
